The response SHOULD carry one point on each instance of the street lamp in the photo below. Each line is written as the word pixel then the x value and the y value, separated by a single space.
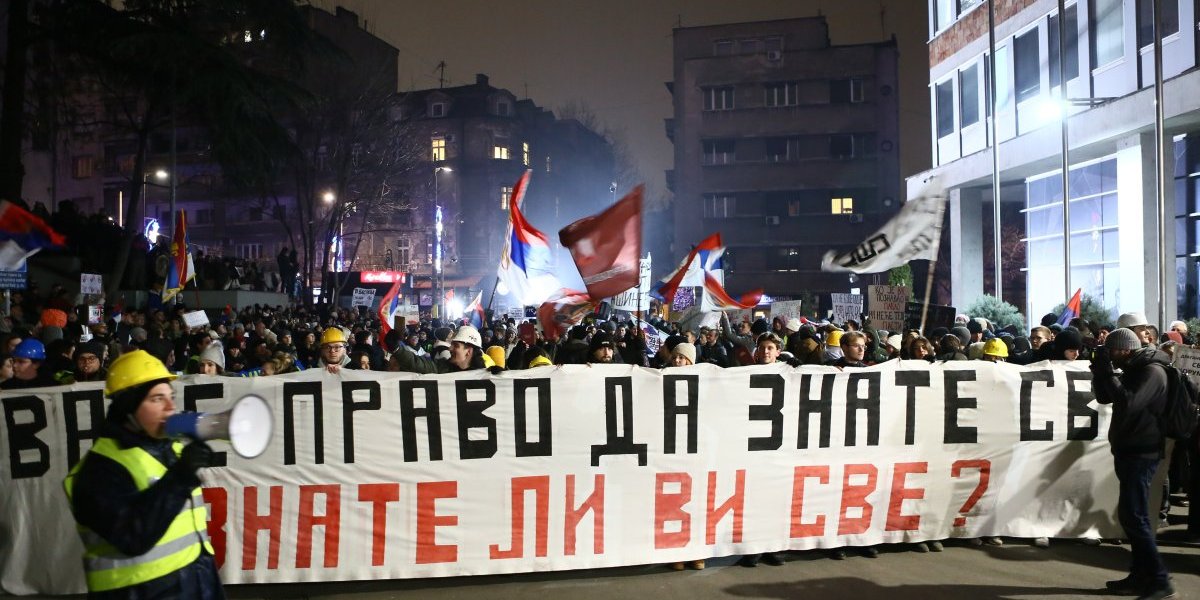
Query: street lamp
pixel 439 272
pixel 160 175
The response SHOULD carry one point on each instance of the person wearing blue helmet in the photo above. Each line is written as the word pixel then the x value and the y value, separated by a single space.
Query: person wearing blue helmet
pixel 28 357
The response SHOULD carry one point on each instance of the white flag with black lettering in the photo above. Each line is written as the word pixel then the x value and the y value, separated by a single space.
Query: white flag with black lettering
pixel 911 235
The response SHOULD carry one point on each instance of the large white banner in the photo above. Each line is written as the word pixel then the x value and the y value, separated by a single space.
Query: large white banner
pixel 383 475
pixel 910 235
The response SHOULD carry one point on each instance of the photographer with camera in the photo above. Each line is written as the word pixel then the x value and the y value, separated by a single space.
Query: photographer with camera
pixel 1138 395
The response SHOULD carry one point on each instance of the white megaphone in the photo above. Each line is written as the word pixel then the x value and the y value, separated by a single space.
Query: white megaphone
pixel 247 426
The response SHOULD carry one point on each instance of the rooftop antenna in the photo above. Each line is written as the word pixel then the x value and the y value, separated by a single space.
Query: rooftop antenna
pixel 882 13
pixel 678 21
pixel 441 68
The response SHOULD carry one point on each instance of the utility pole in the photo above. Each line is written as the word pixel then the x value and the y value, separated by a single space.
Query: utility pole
pixel 441 68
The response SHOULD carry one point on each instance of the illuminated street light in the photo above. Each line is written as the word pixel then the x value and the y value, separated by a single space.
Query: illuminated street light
pixel 328 197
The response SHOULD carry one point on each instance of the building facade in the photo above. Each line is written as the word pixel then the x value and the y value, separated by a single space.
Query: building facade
pixel 784 143
pixel 477 140
pixel 1107 68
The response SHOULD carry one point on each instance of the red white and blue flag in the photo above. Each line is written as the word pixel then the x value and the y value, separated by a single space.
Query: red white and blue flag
pixel 716 297
pixel 474 312
pixel 526 266
pixel 23 234
pixel 388 305
pixel 180 269
pixel 1071 310
pixel 565 308
pixel 690 272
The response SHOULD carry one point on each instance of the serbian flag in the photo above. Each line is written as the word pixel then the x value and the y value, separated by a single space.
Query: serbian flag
pixel 526 266
pixel 690 271
pixel 180 269
pixel 716 296
pixel 565 308
pixel 23 234
pixel 387 309
pixel 475 312
pixel 606 246
pixel 1071 311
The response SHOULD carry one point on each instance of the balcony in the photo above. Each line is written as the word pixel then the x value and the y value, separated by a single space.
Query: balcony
pixel 669 125
pixel 824 173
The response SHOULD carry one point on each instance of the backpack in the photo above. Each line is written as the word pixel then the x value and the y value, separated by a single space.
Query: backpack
pixel 1180 416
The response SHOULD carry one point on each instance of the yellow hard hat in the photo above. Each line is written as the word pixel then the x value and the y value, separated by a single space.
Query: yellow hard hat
pixel 333 335
pixel 133 369
pixel 540 361
pixel 496 353
pixel 834 338
pixel 996 347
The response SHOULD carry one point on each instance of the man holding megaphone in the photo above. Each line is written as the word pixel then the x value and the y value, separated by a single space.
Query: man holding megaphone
pixel 136 494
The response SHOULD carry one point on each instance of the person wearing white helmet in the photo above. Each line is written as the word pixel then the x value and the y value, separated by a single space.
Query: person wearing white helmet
pixel 466 354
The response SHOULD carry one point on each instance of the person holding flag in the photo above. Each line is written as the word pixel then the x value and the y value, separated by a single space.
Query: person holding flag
pixel 180 269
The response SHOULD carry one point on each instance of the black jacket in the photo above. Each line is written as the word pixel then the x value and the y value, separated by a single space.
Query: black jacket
pixel 106 501
pixel 1138 396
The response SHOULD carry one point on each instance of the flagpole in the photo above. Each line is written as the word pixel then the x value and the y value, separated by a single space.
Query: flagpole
pixel 937 242
pixel 493 294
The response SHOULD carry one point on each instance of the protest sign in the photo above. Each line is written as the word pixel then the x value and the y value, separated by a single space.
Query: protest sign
pixel 886 306
pixel 1187 359
pixel 196 318
pixel 939 316
pixel 375 475
pixel 847 307
pixel 95 314
pixel 628 300
pixel 785 310
pixel 91 283
pixel 363 297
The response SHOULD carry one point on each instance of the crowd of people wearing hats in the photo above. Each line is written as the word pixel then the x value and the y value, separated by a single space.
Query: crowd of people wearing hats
pixel 60 347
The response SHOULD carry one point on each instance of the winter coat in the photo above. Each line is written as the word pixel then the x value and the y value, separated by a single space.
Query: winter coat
pixel 1138 394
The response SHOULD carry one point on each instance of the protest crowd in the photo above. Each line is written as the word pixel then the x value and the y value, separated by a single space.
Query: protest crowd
pixel 53 338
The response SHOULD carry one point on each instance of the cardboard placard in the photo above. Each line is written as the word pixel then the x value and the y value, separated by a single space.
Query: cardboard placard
pixel 887 306
pixel 786 310
pixel 95 314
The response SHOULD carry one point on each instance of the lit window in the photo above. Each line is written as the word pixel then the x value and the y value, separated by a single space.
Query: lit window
pixel 718 98
pixel 843 206
pixel 82 167
pixel 247 36
pixel 505 197
pixel 525 153
pixel 547 164
pixel 500 152
pixel 439 148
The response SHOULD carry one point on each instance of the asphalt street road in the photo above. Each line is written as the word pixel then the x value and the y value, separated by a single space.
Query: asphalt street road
pixel 1017 570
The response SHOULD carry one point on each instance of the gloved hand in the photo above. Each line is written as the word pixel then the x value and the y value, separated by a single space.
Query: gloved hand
pixel 195 456
pixel 495 370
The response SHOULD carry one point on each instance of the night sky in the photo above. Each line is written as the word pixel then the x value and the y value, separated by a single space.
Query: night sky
pixel 615 55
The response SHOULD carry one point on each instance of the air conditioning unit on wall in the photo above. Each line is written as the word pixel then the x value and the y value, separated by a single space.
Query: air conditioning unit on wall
pixel 773 221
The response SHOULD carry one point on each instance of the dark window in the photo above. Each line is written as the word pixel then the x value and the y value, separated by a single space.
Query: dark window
pixel 723 47
pixel 845 91
pixel 944 93
pixel 1170 20
pixel 968 91
pixel 1028 63
pixel 841 145
pixel 1071 60
pixel 777 150
pixel 718 152
pixel 718 98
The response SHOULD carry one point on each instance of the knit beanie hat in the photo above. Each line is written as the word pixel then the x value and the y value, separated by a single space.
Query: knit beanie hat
pixel 1069 339
pixel 1123 339
pixel 963 334
pixel 51 333
pixel 759 327
pixel 686 350
pixel 215 354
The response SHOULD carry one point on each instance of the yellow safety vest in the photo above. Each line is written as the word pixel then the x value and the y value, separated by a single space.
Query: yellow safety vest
pixel 106 567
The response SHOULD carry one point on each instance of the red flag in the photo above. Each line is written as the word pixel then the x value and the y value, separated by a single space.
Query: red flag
pixel 565 308
pixel 606 247
pixel 665 290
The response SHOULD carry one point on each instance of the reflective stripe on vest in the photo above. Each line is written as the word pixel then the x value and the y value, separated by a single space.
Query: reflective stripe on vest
pixel 108 568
